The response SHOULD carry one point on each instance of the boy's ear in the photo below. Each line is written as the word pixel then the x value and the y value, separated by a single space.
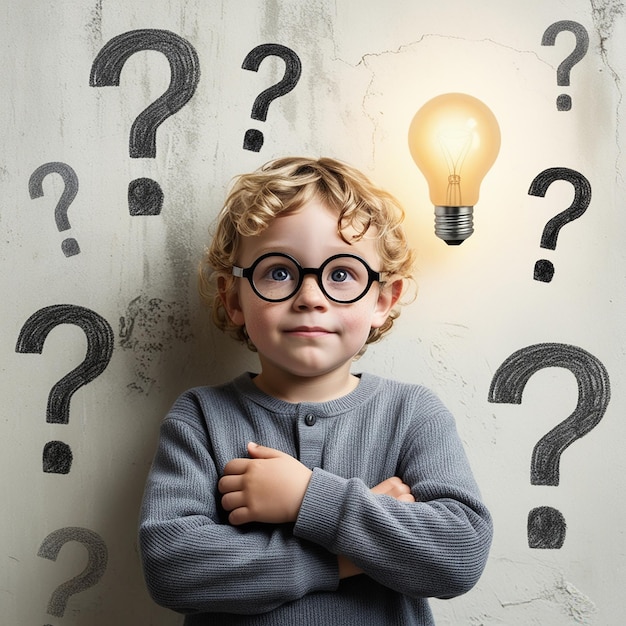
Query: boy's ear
pixel 387 298
pixel 230 299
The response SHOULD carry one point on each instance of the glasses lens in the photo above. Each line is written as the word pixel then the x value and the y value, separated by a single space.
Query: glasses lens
pixel 345 278
pixel 275 277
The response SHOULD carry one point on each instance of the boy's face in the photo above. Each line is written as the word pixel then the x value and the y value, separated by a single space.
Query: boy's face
pixel 308 335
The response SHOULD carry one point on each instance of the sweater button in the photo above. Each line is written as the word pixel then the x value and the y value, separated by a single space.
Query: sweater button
pixel 310 419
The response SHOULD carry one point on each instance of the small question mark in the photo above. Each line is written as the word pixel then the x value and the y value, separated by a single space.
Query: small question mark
pixel 564 102
pixel 145 196
pixel 57 456
pixel 253 139
pixel 69 246
pixel 544 269
pixel 96 565
pixel 546 525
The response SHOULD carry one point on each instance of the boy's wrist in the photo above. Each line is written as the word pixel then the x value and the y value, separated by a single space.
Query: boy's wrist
pixel 347 568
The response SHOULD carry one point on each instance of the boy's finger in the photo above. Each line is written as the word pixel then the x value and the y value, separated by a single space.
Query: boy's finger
pixel 240 516
pixel 233 500
pixel 406 497
pixel 263 452
pixel 226 484
pixel 382 487
pixel 236 466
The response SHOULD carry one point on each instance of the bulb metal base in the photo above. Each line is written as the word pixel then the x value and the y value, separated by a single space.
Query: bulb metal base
pixel 454 224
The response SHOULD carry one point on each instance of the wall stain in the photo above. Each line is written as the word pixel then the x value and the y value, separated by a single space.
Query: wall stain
pixel 151 327
pixel 604 13
pixel 94 26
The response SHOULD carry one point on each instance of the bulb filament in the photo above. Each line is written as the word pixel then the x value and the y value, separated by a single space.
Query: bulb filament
pixel 455 145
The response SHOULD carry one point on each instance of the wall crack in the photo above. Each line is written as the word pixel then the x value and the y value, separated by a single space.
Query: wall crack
pixel 604 13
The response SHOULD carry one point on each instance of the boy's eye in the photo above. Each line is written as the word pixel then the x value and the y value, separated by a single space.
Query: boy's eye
pixel 279 274
pixel 340 275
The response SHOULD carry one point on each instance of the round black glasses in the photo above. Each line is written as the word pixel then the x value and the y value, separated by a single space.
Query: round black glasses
pixel 275 277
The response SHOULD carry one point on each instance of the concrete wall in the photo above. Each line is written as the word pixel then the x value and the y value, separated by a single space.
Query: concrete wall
pixel 126 304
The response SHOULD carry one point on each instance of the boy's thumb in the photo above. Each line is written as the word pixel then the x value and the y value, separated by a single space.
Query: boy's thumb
pixel 261 452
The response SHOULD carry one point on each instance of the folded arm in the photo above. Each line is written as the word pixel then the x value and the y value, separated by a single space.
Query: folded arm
pixel 436 546
pixel 270 485
pixel 195 561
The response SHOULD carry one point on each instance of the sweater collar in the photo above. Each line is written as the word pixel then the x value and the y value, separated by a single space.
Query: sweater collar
pixel 368 384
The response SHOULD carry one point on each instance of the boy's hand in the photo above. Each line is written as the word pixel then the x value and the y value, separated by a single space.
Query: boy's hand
pixel 268 487
pixel 395 488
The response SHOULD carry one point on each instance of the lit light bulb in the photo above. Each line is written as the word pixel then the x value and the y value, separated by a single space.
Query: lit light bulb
pixel 454 140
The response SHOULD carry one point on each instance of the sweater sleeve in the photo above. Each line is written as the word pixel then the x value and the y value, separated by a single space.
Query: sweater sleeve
pixel 193 562
pixel 434 547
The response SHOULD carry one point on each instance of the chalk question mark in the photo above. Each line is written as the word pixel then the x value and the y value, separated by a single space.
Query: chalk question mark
pixel 57 455
pixel 563 101
pixel 96 564
pixel 145 196
pixel 546 525
pixel 253 139
pixel 69 246
pixel 544 269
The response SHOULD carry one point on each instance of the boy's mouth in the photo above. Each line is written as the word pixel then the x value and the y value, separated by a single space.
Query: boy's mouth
pixel 308 331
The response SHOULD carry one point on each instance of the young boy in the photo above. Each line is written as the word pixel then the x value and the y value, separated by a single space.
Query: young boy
pixel 306 494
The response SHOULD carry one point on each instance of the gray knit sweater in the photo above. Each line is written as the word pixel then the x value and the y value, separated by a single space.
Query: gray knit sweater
pixel 261 574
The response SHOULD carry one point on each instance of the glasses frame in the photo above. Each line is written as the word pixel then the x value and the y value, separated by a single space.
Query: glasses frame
pixel 247 272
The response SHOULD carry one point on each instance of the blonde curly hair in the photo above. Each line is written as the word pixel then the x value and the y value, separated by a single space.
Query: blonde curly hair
pixel 284 185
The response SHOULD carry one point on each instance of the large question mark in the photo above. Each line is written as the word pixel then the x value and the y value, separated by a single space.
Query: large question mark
pixel 546 525
pixel 253 139
pixel 69 246
pixel 563 101
pixel 544 269
pixel 96 565
pixel 145 196
pixel 57 456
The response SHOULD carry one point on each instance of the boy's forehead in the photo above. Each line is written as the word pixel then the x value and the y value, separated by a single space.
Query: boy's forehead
pixel 310 230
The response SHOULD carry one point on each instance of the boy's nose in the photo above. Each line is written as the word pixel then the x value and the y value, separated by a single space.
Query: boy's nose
pixel 310 295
